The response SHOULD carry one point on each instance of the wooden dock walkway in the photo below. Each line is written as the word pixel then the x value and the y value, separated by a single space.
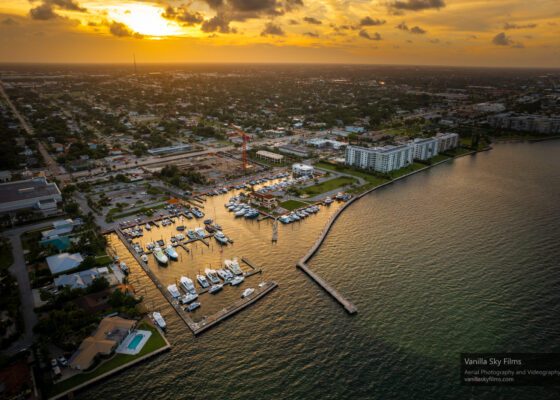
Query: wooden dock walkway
pixel 350 308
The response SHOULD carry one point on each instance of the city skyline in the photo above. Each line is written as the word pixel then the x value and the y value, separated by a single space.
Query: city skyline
pixel 418 32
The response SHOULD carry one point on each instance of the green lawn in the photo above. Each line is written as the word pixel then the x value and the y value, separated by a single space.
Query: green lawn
pixel 291 205
pixel 155 342
pixel 406 170
pixel 103 260
pixel 439 158
pixel 372 180
pixel 329 185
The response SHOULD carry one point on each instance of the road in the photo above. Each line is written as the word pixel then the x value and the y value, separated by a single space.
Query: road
pixel 19 271
pixel 50 162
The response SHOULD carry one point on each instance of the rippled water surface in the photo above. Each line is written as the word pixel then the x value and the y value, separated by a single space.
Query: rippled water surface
pixel 463 257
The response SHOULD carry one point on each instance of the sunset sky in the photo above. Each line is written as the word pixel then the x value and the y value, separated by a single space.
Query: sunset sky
pixel 434 32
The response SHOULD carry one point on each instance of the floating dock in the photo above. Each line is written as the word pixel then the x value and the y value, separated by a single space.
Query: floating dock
pixel 350 308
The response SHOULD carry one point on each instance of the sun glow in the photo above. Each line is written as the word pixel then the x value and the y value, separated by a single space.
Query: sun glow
pixel 144 19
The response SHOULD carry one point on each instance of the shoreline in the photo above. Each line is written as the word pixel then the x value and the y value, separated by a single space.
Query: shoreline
pixel 302 263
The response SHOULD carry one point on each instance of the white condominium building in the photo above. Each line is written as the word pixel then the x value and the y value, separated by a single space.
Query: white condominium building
pixel 380 159
pixel 425 149
pixel 447 141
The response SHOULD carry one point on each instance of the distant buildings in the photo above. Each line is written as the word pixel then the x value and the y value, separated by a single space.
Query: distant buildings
pixel 270 156
pixel 178 148
pixel 380 159
pixel 31 194
pixel 425 148
pixel 447 141
pixel 294 151
pixel 322 143
pixel 526 123
pixel 302 170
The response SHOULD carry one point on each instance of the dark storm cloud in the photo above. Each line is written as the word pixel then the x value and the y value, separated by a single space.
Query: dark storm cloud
pixel 183 14
pixel 219 23
pixel 121 30
pixel 46 10
pixel 501 39
pixel 272 29
pixel 508 26
pixel 364 34
pixel 368 21
pixel 416 5
pixel 311 20
pixel 415 29
pixel 228 11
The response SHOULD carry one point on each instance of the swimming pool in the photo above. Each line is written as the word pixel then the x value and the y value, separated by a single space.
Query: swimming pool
pixel 135 341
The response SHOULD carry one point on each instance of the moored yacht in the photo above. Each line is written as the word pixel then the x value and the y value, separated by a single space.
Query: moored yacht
pixel 233 266
pixel 160 256
pixel 237 280
pixel 187 284
pixel 202 281
pixel 158 319
pixel 215 288
pixel 212 275
pixel 220 237
pixel 171 252
pixel 200 232
pixel 247 292
pixel 173 290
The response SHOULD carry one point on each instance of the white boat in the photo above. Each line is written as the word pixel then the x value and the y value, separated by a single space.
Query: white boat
pixel 171 252
pixel 285 219
pixel 144 258
pixel 202 280
pixel 187 284
pixel 247 292
pixel 188 298
pixel 328 200
pixel 174 290
pixel 241 212
pixel 193 306
pixel 200 232
pixel 237 280
pixel 124 267
pixel 158 319
pixel 148 226
pixel 233 266
pixel 224 274
pixel 212 275
pixel 160 256
pixel 220 237
pixel 215 288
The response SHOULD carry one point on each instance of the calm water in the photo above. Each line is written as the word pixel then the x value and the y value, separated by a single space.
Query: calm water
pixel 464 257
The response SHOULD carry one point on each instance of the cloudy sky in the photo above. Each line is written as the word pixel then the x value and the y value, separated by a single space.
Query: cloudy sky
pixel 514 33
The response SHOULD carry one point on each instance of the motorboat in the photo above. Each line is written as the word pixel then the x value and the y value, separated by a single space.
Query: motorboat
pixel 148 226
pixel 215 288
pixel 189 215
pixel 171 252
pixel 200 233
pixel 187 284
pixel 158 319
pixel 212 275
pixel 208 221
pixel 202 281
pixel 328 200
pixel 224 274
pixel 237 280
pixel 192 306
pixel 241 212
pixel 187 298
pixel 220 237
pixel 191 234
pixel 233 266
pixel 339 196
pixel 160 256
pixel 180 236
pixel 180 228
pixel 251 213
pixel 294 217
pixel 247 292
pixel 173 290
pixel 144 258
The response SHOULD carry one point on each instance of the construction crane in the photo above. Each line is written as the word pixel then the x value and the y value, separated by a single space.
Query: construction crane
pixel 245 138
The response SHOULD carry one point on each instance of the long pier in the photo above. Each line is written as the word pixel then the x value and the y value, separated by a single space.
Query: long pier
pixel 351 308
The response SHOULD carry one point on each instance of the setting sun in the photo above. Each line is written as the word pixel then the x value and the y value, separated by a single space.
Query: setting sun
pixel 144 19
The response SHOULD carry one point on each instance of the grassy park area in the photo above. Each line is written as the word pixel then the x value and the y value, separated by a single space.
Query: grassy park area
pixel 291 205
pixel 329 185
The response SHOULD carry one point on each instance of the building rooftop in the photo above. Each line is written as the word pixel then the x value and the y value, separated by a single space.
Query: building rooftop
pixel 27 189
pixel 64 262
